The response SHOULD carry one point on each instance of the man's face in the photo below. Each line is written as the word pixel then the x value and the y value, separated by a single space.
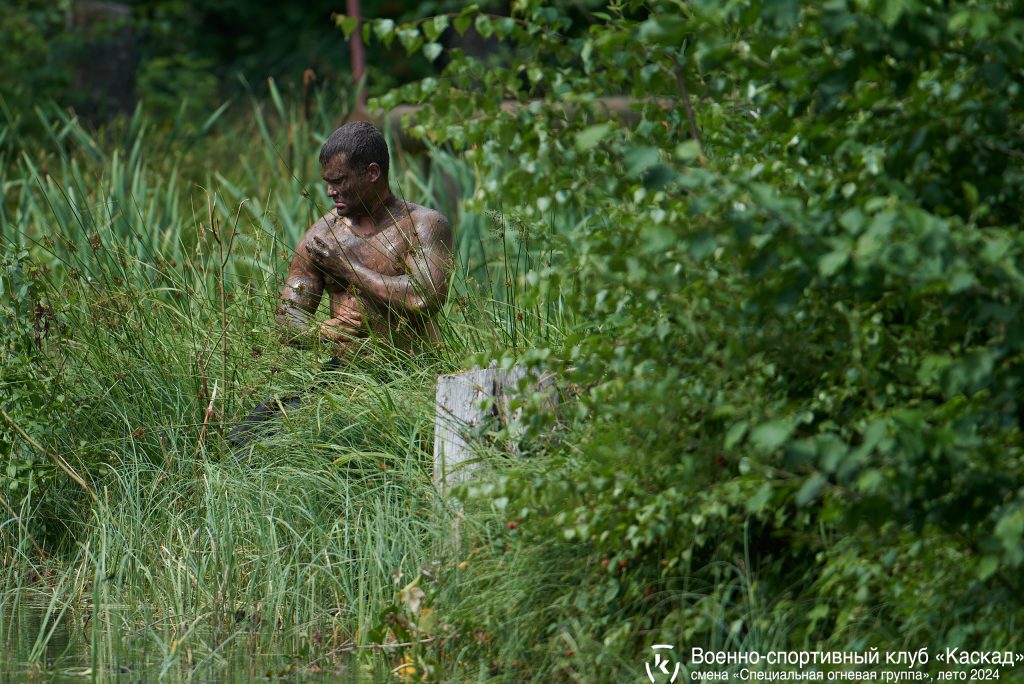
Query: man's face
pixel 348 189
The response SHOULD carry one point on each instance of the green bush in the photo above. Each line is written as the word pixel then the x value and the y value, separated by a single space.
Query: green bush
pixel 32 394
pixel 797 368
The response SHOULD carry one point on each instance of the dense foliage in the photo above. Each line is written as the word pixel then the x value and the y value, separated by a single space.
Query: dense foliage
pixel 31 387
pixel 797 418
pixel 781 294
pixel 178 58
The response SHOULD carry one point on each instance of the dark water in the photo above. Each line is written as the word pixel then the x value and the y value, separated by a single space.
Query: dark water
pixel 38 644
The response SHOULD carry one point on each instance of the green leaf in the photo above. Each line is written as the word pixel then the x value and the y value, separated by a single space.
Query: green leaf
pixel 483 25
pixel 970 193
pixel 780 13
pixel 504 26
pixel 853 220
pixel 819 612
pixel 1009 530
pixel 831 450
pixel 462 23
pixel 960 21
pixel 932 367
pixel 760 498
pixel 960 280
pixel 589 137
pixel 657 238
pixel 688 150
pixel 384 29
pixel 736 434
pixel 980 23
pixel 870 481
pixel 639 159
pixel 658 176
pixel 970 373
pixel 432 51
pixel 664 30
pixel 799 451
pixel 410 39
pixel 701 245
pixel 433 28
pixel 810 489
pixel 771 435
pixel 987 567
pixel 830 264
pixel 892 10
pixel 346 24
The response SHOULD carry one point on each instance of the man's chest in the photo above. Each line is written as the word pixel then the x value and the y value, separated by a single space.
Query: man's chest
pixel 383 252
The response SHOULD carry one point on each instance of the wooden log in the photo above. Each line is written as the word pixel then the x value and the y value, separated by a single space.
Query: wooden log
pixel 465 401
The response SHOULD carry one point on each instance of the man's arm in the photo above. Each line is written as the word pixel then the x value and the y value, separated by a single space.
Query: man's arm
pixel 300 298
pixel 428 265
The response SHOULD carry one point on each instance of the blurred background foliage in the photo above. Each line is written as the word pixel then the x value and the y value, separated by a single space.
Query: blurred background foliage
pixel 171 54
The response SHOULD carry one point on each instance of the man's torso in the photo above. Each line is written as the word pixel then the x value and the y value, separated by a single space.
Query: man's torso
pixel 384 252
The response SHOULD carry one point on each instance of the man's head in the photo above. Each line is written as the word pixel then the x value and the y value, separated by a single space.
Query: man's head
pixel 355 167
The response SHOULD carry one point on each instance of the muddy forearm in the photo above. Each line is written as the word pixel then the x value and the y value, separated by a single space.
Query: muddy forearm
pixel 400 292
pixel 299 301
pixel 296 327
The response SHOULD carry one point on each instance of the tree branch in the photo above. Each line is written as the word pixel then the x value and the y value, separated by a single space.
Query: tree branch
pixel 684 91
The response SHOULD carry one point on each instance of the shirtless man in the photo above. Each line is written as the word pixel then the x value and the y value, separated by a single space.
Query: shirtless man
pixel 384 262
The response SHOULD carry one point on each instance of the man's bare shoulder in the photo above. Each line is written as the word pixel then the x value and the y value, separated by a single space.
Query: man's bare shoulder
pixel 429 223
pixel 326 224
pixel 424 214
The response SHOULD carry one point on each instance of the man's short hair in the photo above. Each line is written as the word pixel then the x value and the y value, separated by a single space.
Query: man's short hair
pixel 361 143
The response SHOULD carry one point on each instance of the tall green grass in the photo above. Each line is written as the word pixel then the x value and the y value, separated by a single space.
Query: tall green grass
pixel 164 251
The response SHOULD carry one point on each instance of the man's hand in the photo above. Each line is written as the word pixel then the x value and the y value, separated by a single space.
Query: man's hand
pixel 329 256
pixel 347 326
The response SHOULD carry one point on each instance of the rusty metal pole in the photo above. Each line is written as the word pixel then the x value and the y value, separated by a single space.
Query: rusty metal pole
pixel 357 53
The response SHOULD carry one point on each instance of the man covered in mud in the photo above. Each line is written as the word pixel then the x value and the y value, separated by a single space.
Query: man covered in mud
pixel 384 263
